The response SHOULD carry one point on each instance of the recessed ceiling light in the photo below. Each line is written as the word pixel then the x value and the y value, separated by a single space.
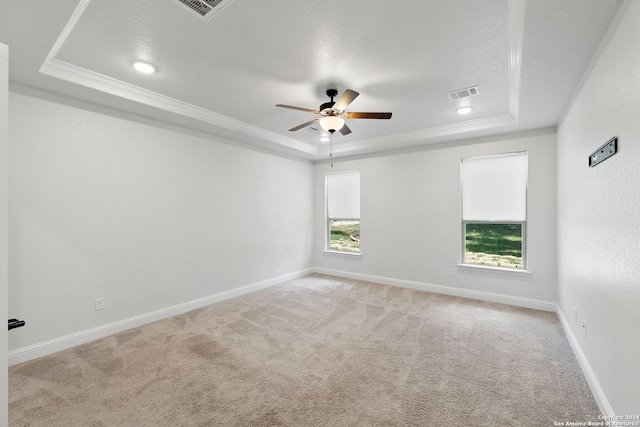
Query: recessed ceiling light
pixel 463 110
pixel 144 67
pixel 324 139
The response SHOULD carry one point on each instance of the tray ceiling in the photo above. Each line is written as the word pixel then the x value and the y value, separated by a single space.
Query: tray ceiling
pixel 225 75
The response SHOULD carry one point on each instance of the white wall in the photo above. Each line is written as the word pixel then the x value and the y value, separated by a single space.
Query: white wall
pixel 410 217
pixel 599 232
pixel 103 204
pixel 4 175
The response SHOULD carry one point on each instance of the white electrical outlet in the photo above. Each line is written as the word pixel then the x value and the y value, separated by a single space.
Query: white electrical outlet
pixel 575 314
pixel 99 304
pixel 370 262
pixel 280 263
pixel 452 272
pixel 584 328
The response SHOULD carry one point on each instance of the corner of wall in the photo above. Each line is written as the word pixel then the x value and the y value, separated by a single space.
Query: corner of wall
pixel 594 384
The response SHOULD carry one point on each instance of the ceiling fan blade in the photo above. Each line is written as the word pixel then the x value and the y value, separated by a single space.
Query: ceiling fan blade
pixel 345 99
pixel 359 115
pixel 345 129
pixel 291 107
pixel 304 125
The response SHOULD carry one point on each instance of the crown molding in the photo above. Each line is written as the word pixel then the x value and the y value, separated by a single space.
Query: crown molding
pixel 395 141
pixel 57 68
pixel 515 36
pixel 81 76
pixel 72 73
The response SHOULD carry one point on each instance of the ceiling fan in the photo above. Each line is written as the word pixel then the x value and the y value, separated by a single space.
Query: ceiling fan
pixel 333 113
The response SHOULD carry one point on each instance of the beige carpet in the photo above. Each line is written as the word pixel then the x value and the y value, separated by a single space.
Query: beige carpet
pixel 316 351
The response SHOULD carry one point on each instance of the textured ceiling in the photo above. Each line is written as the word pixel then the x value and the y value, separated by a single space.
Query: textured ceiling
pixel 225 76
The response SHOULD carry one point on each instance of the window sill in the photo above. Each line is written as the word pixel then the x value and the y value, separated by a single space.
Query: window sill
pixel 348 254
pixel 499 270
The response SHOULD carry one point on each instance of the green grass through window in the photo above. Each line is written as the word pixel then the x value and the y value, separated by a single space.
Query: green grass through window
pixel 494 244
pixel 345 236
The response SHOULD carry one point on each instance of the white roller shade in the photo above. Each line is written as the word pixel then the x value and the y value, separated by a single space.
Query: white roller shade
pixel 343 195
pixel 494 188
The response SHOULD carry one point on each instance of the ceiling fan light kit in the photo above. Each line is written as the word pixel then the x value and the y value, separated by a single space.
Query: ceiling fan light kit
pixel 334 113
pixel 332 123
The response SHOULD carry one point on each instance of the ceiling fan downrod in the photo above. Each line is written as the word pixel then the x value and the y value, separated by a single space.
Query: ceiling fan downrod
pixel 327 106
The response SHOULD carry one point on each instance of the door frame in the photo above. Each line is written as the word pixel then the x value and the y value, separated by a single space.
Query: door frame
pixel 4 232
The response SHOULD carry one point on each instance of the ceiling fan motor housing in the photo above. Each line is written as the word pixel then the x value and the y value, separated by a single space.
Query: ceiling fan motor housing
pixel 327 108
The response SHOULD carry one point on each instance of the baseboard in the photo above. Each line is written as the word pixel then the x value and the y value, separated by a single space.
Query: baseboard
pixel 594 384
pixel 58 344
pixel 62 343
pixel 447 290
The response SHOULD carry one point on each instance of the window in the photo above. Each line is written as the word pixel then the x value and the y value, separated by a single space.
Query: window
pixel 494 210
pixel 343 212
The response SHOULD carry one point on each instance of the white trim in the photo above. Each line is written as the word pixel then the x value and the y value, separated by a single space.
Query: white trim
pixel 515 29
pixel 66 31
pixel 327 219
pixel 62 343
pixel 594 384
pixel 516 36
pixel 4 228
pixel 524 223
pixel 338 172
pixel 420 134
pixel 500 270
pixel 58 344
pixel 333 252
pixel 69 72
pixel 446 290
pixel 55 67
pixel 492 156
pixel 595 58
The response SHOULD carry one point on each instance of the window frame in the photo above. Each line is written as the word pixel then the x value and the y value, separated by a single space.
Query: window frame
pixel 328 219
pixel 523 224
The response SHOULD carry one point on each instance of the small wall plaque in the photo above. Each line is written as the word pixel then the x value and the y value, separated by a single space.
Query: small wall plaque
pixel 604 152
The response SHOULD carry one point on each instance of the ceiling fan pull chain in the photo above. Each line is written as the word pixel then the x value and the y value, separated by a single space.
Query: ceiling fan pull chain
pixel 331 148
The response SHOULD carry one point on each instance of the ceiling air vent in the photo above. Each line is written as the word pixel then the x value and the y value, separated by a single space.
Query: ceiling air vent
pixel 463 93
pixel 205 9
